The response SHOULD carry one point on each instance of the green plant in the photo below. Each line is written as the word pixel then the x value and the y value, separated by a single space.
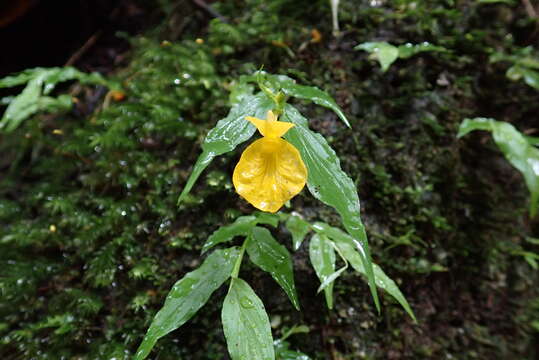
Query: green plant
pixel 519 150
pixel 245 322
pixel 35 97
pixel 525 65
pixel 387 54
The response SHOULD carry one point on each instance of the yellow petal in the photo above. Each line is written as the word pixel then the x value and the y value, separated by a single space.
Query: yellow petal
pixel 271 127
pixel 269 173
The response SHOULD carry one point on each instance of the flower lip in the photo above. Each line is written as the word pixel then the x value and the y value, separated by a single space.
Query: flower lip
pixel 270 171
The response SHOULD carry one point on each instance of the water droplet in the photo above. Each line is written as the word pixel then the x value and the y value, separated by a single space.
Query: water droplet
pixel 246 303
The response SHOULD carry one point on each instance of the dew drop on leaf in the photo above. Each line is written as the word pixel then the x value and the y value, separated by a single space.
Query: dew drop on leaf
pixel 246 303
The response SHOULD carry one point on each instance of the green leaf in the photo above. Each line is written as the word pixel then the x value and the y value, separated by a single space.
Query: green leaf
pixel 20 78
pixel 525 57
pixel 329 184
pixel 240 227
pixel 22 106
pixel 267 218
pixel 187 296
pixel 40 82
pixel 283 352
pixel 331 278
pixel 315 95
pixel 408 50
pixel 532 140
pixel 516 148
pixel 289 87
pixel 246 324
pixel 385 53
pixel 298 228
pixel 322 257
pixel 382 280
pixel 229 133
pixel 272 257
pixel 508 2
pixel 531 77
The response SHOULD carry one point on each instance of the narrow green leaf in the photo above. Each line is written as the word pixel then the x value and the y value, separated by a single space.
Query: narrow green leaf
pixel 329 184
pixel 246 324
pixel 272 257
pixel 22 106
pixel 315 95
pixel 532 140
pixel 298 228
pixel 240 227
pixel 407 50
pixel 229 133
pixel 289 87
pixel 19 78
pixel 40 82
pixel 384 52
pixel 331 278
pixel 382 280
pixel 516 148
pixel 469 125
pixel 187 296
pixel 283 352
pixel 322 257
pixel 531 77
pixel 517 72
pixel 508 2
pixel 267 218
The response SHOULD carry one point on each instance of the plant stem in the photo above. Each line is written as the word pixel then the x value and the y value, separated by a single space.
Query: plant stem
pixel 237 265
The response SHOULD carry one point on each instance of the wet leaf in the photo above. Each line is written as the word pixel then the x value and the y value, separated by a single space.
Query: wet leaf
pixel 532 140
pixel 530 76
pixel 408 50
pixel 187 296
pixel 267 218
pixel 382 280
pixel 315 95
pixel 329 184
pixel 22 106
pixel 283 352
pixel 322 256
pixel 240 227
pixel 41 82
pixel 298 228
pixel 246 324
pixel 273 257
pixel 516 148
pixel 508 2
pixel 385 53
pixel 228 133
pixel 288 86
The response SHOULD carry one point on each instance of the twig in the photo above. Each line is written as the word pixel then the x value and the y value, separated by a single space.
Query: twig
pixel 210 10
pixel 84 48
pixel 529 8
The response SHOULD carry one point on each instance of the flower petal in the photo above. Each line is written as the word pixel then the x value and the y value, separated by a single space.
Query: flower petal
pixel 269 173
pixel 271 127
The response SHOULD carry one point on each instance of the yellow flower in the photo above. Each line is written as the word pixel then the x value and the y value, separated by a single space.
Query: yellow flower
pixel 270 171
